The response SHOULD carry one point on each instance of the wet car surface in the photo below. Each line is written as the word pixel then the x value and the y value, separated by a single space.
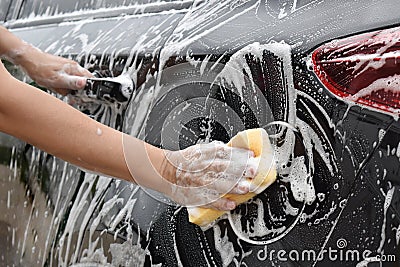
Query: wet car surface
pixel 204 71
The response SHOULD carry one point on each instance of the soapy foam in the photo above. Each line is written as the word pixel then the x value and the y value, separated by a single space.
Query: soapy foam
pixel 224 246
pixel 136 129
pixel 108 114
pixel 387 203
pixel 301 185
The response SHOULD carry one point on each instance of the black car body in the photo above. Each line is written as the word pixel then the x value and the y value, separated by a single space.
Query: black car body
pixel 205 70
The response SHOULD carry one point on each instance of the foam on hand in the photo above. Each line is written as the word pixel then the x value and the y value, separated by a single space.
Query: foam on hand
pixel 256 140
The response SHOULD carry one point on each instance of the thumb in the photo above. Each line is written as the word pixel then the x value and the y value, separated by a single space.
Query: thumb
pixel 75 82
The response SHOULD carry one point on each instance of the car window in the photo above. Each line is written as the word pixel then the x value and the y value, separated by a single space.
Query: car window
pixel 52 7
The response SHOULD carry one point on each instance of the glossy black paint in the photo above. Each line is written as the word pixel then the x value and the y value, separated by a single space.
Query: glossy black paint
pixel 360 161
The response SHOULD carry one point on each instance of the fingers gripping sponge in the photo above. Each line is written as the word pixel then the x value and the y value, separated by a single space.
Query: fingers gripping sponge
pixel 256 140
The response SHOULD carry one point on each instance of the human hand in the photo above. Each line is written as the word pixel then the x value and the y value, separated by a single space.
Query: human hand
pixel 202 174
pixel 58 74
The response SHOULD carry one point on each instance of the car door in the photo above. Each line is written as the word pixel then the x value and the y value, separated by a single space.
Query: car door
pixel 54 213
pixel 227 61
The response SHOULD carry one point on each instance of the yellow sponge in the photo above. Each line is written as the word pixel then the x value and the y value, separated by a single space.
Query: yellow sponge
pixel 256 140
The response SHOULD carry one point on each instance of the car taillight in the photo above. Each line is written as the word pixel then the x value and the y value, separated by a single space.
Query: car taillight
pixel 363 69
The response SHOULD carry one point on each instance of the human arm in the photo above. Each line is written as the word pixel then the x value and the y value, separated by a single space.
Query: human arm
pixel 53 72
pixel 59 129
pixel 52 125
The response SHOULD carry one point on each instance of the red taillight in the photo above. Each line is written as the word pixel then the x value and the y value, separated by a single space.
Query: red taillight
pixel 364 69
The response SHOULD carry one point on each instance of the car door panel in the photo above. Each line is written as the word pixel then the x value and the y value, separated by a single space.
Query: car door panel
pixel 215 32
